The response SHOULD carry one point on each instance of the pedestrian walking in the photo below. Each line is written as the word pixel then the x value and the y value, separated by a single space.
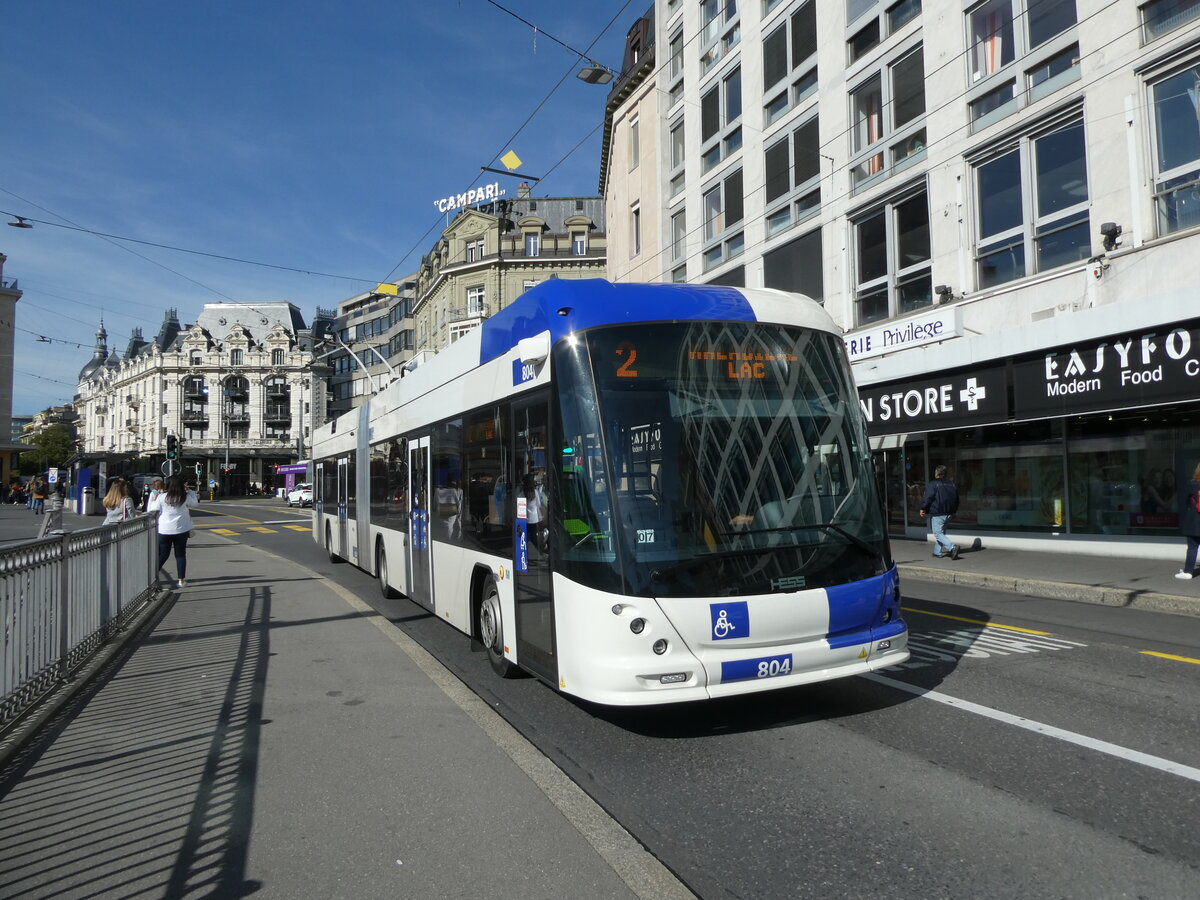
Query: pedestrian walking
pixel 1189 524
pixel 939 504
pixel 119 504
pixel 156 488
pixel 38 495
pixel 174 523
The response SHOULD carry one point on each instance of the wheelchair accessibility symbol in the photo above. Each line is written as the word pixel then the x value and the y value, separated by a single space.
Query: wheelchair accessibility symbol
pixel 730 619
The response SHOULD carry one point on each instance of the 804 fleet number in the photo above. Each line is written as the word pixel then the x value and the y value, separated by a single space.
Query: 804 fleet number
pixel 753 669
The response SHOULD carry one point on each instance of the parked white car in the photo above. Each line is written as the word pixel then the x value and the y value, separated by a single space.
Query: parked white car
pixel 301 495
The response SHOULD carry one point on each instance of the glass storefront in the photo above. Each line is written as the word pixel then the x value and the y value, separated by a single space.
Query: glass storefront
pixel 1118 474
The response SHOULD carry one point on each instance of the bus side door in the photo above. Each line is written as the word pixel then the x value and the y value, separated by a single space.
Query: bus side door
pixel 531 544
pixel 420 561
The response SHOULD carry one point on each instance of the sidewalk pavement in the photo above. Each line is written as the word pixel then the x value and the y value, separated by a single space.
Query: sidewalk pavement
pixel 1110 580
pixel 265 731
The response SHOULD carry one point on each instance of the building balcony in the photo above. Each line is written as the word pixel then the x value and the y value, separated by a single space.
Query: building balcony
pixel 237 416
pixel 194 415
pixel 277 412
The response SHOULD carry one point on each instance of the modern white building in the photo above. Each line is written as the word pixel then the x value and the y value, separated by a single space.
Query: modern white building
pixel 236 389
pixel 999 201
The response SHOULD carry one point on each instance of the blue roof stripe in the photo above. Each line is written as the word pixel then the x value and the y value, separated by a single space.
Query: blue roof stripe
pixel 595 301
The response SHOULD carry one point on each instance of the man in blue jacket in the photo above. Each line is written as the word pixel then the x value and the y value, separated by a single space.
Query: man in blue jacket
pixel 939 504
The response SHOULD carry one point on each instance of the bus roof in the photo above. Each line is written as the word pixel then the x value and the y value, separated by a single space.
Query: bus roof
pixel 563 306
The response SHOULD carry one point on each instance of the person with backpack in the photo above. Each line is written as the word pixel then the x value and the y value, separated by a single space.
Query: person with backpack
pixel 939 504
pixel 1189 524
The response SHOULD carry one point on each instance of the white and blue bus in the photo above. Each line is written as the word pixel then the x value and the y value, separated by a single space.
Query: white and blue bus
pixel 638 493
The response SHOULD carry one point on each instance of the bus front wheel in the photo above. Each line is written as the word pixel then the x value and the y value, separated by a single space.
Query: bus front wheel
pixel 381 569
pixel 491 630
pixel 333 557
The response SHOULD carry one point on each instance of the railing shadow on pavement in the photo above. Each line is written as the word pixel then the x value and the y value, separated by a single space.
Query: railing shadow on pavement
pixel 147 787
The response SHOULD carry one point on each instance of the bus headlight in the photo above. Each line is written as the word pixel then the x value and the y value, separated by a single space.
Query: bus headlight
pixel 660 646
pixel 637 626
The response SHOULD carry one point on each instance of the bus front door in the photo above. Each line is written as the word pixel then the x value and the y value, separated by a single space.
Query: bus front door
pixel 420 562
pixel 532 483
pixel 341 540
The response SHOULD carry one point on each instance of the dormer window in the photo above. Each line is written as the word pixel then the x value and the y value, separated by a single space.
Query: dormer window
pixel 235 357
pixel 277 357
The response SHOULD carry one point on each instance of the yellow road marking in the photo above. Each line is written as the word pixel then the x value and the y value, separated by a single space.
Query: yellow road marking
pixel 299 527
pixel 223 531
pixel 238 520
pixel 262 530
pixel 1187 659
pixel 926 612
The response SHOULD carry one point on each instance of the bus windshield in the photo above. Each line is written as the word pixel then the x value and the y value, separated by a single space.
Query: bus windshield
pixel 714 458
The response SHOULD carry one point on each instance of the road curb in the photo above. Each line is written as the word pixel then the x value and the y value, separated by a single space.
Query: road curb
pixel 1058 590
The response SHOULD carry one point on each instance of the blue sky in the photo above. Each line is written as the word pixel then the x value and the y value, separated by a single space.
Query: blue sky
pixel 310 135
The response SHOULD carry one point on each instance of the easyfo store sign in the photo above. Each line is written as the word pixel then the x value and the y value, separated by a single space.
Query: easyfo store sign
pixel 902 335
pixel 470 198
pixel 970 397
pixel 1142 368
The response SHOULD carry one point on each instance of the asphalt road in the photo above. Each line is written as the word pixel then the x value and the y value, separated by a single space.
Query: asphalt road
pixel 1031 748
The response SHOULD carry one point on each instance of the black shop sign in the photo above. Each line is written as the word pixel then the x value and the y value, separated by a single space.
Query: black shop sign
pixel 968 397
pixel 1142 368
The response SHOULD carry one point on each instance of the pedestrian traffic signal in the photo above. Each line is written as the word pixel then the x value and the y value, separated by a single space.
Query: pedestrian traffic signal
pixel 172 447
pixel 199 470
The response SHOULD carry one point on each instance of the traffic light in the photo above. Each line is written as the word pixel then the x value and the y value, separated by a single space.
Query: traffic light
pixel 172 447
pixel 199 470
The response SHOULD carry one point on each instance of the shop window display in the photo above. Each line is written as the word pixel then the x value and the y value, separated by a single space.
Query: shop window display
pixel 1009 477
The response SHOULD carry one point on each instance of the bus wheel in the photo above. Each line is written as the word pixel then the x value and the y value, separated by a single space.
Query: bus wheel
pixel 491 630
pixel 333 557
pixel 381 569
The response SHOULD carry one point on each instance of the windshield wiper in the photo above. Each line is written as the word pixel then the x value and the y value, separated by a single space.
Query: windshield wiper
pixel 854 539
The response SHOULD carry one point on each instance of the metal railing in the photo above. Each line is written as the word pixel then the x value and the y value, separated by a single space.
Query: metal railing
pixel 62 597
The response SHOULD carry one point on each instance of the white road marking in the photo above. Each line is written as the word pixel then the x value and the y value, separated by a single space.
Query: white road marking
pixel 1081 740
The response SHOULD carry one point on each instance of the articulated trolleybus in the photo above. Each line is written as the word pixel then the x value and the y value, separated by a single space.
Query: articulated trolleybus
pixel 639 493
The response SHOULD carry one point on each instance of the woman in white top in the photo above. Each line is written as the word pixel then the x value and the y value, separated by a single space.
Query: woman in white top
pixel 174 523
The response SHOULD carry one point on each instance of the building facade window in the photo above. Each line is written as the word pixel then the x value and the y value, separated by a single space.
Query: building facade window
pixel 235 357
pixel 197 358
pixel 475 300
pixel 678 236
pixel 1160 17
pixel 723 206
pixel 635 230
pixel 793 177
pixel 720 120
pixel 675 68
pixel 277 357
pixel 678 150
pixel 1176 111
pixel 887 112
pixel 474 250
pixel 579 243
pixel 790 49
pixel 635 144
pixel 1039 34
pixel 796 266
pixel 892 259
pixel 720 32
pixel 1033 206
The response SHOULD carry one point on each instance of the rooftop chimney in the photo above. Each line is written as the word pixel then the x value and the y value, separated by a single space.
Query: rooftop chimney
pixel 523 191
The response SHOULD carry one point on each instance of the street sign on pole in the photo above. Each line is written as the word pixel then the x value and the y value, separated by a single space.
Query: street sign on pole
pixel 169 467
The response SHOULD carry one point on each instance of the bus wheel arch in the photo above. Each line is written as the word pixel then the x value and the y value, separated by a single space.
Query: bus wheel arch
pixel 489 622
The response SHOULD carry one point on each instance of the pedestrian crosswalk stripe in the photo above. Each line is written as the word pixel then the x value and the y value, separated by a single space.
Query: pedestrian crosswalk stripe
pixel 223 531
pixel 927 648
pixel 262 530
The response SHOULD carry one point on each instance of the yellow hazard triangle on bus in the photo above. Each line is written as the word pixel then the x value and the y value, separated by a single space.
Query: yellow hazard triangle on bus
pixel 863 653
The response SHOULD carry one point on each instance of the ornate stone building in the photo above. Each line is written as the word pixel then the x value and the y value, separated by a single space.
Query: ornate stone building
pixel 236 389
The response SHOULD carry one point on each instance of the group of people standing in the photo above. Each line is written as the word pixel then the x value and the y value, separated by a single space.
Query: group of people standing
pixel 171 500
pixel 940 503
